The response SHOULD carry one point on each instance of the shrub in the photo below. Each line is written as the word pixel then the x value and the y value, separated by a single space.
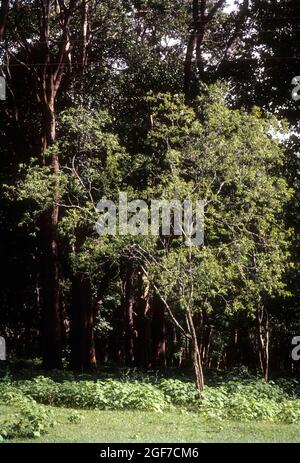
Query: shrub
pixel 179 392
pixel 240 398
pixel 289 412
pixel 108 394
pixel 29 420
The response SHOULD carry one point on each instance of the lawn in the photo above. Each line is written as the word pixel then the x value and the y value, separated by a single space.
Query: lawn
pixel 175 426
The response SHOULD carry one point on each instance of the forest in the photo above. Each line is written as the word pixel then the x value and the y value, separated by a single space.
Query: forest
pixel 174 100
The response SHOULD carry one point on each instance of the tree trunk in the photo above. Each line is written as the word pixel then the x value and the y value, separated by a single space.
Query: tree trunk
pixel 188 65
pixel 263 340
pixel 142 323
pixel 206 346
pixel 128 301
pixel 197 362
pixel 158 330
pixel 51 316
pixel 83 356
pixel 232 348
pixel 47 76
pixel 194 47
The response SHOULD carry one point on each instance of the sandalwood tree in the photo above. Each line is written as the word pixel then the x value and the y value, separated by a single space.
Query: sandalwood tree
pixel 231 160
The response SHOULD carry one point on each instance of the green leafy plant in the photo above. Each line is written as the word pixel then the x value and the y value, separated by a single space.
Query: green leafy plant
pixel 75 417
pixel 29 419
pixel 233 397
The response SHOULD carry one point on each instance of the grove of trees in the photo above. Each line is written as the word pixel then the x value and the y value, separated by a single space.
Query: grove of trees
pixel 181 99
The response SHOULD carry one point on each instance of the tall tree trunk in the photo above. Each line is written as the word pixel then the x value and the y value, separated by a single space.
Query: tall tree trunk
pixel 83 356
pixel 188 65
pixel 197 362
pixel 128 302
pixel 263 340
pixel 47 76
pixel 232 347
pixel 51 314
pixel 194 47
pixel 158 330
pixel 142 323
pixel 85 34
pixel 206 349
pixel 202 15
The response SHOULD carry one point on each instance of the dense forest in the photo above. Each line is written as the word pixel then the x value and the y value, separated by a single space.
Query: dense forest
pixel 181 99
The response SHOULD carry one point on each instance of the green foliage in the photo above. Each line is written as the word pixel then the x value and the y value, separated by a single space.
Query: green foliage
pixel 29 420
pixel 232 160
pixel 106 395
pixel 179 392
pixel 75 417
pixel 233 398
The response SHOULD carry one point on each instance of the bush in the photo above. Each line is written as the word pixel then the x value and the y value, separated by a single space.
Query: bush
pixel 249 400
pixel 179 392
pixel 289 412
pixel 29 420
pixel 240 398
pixel 109 394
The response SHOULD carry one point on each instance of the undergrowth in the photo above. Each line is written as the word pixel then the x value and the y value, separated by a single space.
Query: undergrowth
pixel 241 398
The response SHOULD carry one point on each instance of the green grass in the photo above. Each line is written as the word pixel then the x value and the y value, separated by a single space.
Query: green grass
pixel 176 426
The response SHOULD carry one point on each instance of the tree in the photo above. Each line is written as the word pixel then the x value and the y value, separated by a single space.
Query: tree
pixel 235 167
